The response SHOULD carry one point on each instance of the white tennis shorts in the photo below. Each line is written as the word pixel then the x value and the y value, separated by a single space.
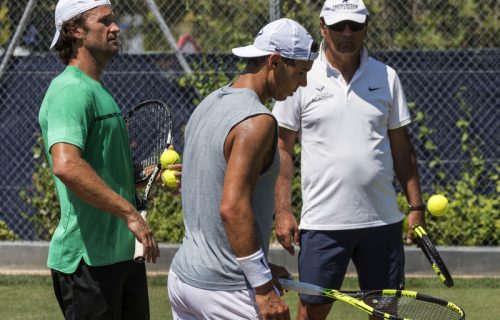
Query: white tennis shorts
pixel 191 303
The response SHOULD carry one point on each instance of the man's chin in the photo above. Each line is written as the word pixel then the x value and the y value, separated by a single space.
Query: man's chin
pixel 283 98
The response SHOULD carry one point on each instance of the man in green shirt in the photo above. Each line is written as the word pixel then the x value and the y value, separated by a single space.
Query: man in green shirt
pixel 91 252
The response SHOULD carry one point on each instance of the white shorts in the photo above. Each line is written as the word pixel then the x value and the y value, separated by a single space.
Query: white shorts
pixel 191 303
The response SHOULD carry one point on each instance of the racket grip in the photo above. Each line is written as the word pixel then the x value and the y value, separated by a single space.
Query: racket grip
pixel 301 287
pixel 139 248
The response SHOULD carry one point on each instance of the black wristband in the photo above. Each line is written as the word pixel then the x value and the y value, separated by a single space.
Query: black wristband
pixel 416 208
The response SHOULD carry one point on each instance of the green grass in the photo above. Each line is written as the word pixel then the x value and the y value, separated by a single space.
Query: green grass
pixel 31 297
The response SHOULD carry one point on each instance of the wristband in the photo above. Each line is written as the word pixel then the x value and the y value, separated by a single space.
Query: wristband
pixel 255 268
pixel 420 207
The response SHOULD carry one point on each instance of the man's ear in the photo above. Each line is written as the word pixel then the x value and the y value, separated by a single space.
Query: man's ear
pixel 273 60
pixel 78 33
pixel 322 27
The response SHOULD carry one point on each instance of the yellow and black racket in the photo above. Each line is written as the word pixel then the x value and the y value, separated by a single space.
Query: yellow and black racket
pixel 386 304
pixel 430 251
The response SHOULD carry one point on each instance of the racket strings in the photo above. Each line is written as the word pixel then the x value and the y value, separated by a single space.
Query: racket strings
pixel 149 130
pixel 406 307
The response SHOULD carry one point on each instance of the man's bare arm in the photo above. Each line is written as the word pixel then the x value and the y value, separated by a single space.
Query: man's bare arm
pixel 82 180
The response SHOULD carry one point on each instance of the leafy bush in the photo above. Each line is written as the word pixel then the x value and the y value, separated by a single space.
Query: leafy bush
pixel 210 75
pixel 473 216
pixel 165 216
pixel 41 195
pixel 5 232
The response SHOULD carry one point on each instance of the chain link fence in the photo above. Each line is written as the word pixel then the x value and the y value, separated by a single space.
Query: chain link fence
pixel 445 51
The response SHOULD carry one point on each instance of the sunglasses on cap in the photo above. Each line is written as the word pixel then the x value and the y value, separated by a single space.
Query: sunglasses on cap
pixel 340 26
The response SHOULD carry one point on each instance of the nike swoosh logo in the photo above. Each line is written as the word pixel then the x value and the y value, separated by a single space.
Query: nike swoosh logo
pixel 373 89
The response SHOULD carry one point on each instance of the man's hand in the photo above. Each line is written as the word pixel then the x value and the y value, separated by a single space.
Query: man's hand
pixel 287 231
pixel 271 306
pixel 278 272
pixel 177 168
pixel 144 235
pixel 414 218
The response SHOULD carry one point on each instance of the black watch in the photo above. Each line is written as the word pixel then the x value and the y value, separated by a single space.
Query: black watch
pixel 416 208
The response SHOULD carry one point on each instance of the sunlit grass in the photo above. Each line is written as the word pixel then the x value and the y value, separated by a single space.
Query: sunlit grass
pixel 31 297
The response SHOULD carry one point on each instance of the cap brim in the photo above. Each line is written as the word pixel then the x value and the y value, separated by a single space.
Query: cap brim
pixel 54 40
pixel 334 18
pixel 250 52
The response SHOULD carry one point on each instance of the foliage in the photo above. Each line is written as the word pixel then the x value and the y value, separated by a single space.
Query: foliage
pixel 4 22
pixel 433 25
pixel 211 74
pixel 165 215
pixel 473 216
pixel 445 24
pixel 220 25
pixel 403 24
pixel 211 18
pixel 5 232
pixel 41 195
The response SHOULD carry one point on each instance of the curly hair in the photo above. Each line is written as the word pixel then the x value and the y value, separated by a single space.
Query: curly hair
pixel 64 45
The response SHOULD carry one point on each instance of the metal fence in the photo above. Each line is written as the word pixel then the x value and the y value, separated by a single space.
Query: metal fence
pixel 446 53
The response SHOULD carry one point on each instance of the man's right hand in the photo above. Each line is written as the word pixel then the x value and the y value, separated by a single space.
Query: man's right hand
pixel 144 235
pixel 271 306
pixel 287 231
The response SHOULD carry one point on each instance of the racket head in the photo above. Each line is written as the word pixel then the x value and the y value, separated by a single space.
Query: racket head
pixel 405 304
pixel 352 298
pixel 432 255
pixel 149 126
pixel 386 304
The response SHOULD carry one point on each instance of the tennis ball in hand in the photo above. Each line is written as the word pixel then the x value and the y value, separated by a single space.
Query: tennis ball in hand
pixel 169 157
pixel 437 205
pixel 168 177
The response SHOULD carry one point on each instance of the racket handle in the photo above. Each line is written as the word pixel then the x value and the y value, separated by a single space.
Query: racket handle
pixel 301 287
pixel 139 248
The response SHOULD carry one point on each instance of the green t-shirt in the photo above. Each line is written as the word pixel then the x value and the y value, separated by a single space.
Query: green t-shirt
pixel 80 111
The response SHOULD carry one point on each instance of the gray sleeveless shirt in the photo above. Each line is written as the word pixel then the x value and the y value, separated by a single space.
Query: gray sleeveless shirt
pixel 205 259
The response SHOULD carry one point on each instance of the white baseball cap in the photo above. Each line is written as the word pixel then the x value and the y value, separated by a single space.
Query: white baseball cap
pixel 67 9
pixel 283 36
pixel 339 10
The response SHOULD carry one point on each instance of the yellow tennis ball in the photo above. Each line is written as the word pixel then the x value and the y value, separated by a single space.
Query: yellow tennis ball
pixel 437 205
pixel 168 177
pixel 169 157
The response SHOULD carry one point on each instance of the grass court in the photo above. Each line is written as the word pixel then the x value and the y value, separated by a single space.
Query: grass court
pixel 26 297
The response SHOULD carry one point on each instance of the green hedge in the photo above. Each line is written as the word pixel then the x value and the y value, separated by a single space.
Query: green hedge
pixel 5 232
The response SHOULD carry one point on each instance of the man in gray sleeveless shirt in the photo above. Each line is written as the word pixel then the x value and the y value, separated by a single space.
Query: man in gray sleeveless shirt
pixel 230 166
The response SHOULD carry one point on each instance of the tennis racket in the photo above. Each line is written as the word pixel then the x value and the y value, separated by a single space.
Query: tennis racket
pixel 149 127
pixel 432 255
pixel 386 304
